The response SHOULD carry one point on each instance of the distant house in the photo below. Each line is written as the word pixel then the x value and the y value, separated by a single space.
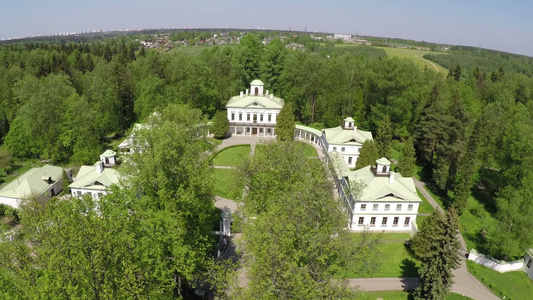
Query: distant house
pixel 347 140
pixel 94 180
pixel 38 183
pixel 108 158
pixel 254 112
pixel 129 145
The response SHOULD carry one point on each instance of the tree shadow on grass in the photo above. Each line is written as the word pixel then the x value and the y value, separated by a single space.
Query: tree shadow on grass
pixel 409 274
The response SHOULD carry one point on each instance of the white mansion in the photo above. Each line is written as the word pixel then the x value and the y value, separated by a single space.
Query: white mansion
pixel 387 202
pixel 254 112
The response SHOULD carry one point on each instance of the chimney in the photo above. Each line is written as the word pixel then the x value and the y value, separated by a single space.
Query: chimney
pixel 246 92
pixel 99 167
pixel 391 178
pixel 241 94
pixel 271 96
pixel 354 129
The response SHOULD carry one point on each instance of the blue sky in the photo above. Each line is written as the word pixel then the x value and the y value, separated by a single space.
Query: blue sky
pixel 500 25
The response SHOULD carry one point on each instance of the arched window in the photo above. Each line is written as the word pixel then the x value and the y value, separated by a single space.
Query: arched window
pixel 256 91
pixel 384 170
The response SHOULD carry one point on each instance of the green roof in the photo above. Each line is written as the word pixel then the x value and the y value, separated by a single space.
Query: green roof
pixel 88 178
pixel 379 188
pixel 257 82
pixel 383 161
pixel 339 136
pixel 108 153
pixel 31 183
pixel 349 119
pixel 255 101
pixel 309 129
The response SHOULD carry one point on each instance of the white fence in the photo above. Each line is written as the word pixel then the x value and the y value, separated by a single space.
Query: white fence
pixel 497 265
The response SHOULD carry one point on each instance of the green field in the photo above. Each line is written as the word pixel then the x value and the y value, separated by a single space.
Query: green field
pixel 401 295
pixel 416 56
pixel 395 260
pixel 225 184
pixel 512 285
pixel 309 151
pixel 231 156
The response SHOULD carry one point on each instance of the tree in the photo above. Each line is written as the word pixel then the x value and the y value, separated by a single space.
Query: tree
pixel 295 255
pixel 369 155
pixel 384 137
pixel 220 125
pixel 437 247
pixel 406 167
pixel 285 123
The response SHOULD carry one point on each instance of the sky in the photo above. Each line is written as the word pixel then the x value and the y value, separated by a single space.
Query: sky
pixel 499 25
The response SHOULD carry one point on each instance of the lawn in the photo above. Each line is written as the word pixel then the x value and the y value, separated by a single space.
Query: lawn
pixel 225 184
pixel 512 285
pixel 425 207
pixel 309 151
pixel 416 56
pixel 231 156
pixel 401 295
pixel 395 260
pixel 473 221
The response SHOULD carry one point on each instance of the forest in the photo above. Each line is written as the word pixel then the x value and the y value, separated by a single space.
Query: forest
pixel 472 129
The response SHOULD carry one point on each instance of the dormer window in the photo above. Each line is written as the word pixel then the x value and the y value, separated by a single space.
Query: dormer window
pixel 255 104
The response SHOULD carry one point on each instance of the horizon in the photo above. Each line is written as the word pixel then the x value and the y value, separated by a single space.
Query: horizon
pixel 486 24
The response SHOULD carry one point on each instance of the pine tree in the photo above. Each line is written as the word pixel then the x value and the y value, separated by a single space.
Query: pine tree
pixel 285 123
pixel 437 247
pixel 408 159
pixel 220 125
pixel 369 155
pixel 384 137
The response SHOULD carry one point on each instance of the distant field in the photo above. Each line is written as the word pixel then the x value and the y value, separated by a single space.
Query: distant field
pixel 416 56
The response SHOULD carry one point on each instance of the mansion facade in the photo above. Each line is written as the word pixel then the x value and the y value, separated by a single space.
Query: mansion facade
pixel 254 112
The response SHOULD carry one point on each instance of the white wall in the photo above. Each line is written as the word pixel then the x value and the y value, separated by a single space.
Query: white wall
pixel 528 270
pixel 92 193
pixel 497 265
pixel 10 201
pixel 258 111
pixel 389 226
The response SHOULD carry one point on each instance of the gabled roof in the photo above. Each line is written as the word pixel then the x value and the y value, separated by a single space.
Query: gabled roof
pixel 31 183
pixel 380 189
pixel 339 135
pixel 249 100
pixel 89 178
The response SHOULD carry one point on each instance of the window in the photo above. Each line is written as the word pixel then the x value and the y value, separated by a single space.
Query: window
pixel 349 160
pixel 342 149
pixel 375 207
pixel 269 118
pixel 398 207
pixel 334 148
pixel 407 220
pixel 240 117
pixel 233 116
pixel 410 207
pixel 247 117
pixel 529 263
pixel 387 207
pixel 268 130
pixel 373 221
pixel 384 221
pixel 363 206
pixel 395 222
pixel 359 150
pixel 261 118
pixel 78 193
pixel 384 170
pixel 362 219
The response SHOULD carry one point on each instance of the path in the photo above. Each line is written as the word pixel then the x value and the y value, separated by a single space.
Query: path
pixel 428 61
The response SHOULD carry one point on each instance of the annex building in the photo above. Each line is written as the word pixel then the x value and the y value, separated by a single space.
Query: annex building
pixel 96 180
pixel 254 112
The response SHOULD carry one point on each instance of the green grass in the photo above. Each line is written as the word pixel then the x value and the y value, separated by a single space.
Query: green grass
pixel 416 56
pixel 309 151
pixel 231 156
pixel 420 220
pixel 473 221
pixel 395 260
pixel 425 207
pixel 512 285
pixel 225 184
pixel 317 126
pixel 401 295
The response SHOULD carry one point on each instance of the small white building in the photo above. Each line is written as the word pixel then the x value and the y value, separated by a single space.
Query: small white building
pixel 94 180
pixel 528 263
pixel 254 112
pixel 346 140
pixel 40 184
